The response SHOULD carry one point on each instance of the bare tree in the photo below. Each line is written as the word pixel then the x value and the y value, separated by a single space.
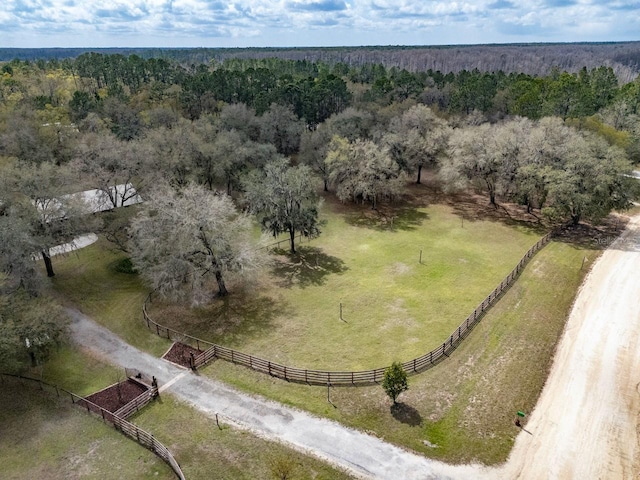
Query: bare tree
pixel 182 238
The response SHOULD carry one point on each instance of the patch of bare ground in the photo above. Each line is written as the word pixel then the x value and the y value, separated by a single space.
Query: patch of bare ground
pixel 116 396
pixel 180 354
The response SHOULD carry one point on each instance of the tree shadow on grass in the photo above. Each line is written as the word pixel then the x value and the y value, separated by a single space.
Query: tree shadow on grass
pixel 243 316
pixel 388 218
pixel 226 320
pixel 406 414
pixel 308 266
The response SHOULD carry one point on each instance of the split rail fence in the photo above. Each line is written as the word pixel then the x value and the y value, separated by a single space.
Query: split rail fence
pixel 119 423
pixel 322 377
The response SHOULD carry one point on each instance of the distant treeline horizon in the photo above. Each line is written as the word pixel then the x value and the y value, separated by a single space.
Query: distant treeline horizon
pixel 530 58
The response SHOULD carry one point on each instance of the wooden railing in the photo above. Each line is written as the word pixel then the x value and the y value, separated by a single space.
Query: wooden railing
pixel 136 404
pixel 364 377
pixel 119 423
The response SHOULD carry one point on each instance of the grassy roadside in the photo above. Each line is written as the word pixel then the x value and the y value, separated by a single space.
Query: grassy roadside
pixel 89 279
pixel 206 451
pixel 71 444
pixel 462 410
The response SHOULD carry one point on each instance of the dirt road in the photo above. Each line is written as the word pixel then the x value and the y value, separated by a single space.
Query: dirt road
pixel 585 425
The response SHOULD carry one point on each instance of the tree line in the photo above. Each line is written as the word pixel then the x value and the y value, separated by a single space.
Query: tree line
pixel 214 148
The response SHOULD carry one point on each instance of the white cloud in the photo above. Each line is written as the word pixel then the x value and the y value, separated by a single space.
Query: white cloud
pixel 290 22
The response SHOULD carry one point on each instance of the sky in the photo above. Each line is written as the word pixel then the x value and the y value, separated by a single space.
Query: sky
pixel 290 23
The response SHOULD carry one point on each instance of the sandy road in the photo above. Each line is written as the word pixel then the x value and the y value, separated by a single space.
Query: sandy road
pixel 585 425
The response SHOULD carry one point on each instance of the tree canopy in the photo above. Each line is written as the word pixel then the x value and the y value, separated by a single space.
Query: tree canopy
pixel 180 239
pixel 284 199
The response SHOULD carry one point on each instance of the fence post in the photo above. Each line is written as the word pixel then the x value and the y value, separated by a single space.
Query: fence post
pixel 414 365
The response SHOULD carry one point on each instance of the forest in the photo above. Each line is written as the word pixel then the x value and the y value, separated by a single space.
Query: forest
pixel 213 145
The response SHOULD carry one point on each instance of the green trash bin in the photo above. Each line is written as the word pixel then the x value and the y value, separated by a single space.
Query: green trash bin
pixel 521 414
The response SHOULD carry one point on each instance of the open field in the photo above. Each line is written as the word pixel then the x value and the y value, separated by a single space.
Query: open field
pixel 465 406
pixel 394 308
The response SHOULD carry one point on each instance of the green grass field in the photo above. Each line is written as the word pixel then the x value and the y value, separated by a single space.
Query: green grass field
pixel 465 405
pixel 394 308
pixel 68 443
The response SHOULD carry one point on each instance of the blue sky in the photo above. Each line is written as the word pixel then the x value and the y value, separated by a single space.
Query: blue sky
pixel 243 23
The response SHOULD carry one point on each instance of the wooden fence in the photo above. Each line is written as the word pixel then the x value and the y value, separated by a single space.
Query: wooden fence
pixel 287 241
pixel 119 423
pixel 365 377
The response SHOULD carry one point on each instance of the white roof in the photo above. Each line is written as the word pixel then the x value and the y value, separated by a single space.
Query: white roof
pixel 94 200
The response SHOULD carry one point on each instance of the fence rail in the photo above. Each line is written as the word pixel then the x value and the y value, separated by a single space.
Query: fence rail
pixel 119 423
pixel 365 377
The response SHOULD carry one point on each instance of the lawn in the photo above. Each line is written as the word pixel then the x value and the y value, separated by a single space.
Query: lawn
pixel 91 279
pixel 46 437
pixel 463 409
pixel 393 306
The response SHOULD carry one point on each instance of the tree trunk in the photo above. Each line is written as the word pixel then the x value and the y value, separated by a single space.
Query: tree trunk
pixel 575 219
pixel 492 198
pixel 222 289
pixel 292 238
pixel 47 263
pixel 419 174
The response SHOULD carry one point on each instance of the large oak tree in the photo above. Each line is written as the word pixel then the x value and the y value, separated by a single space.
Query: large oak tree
pixel 182 238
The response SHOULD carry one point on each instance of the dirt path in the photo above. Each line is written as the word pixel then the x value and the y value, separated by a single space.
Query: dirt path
pixel 362 455
pixel 585 425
